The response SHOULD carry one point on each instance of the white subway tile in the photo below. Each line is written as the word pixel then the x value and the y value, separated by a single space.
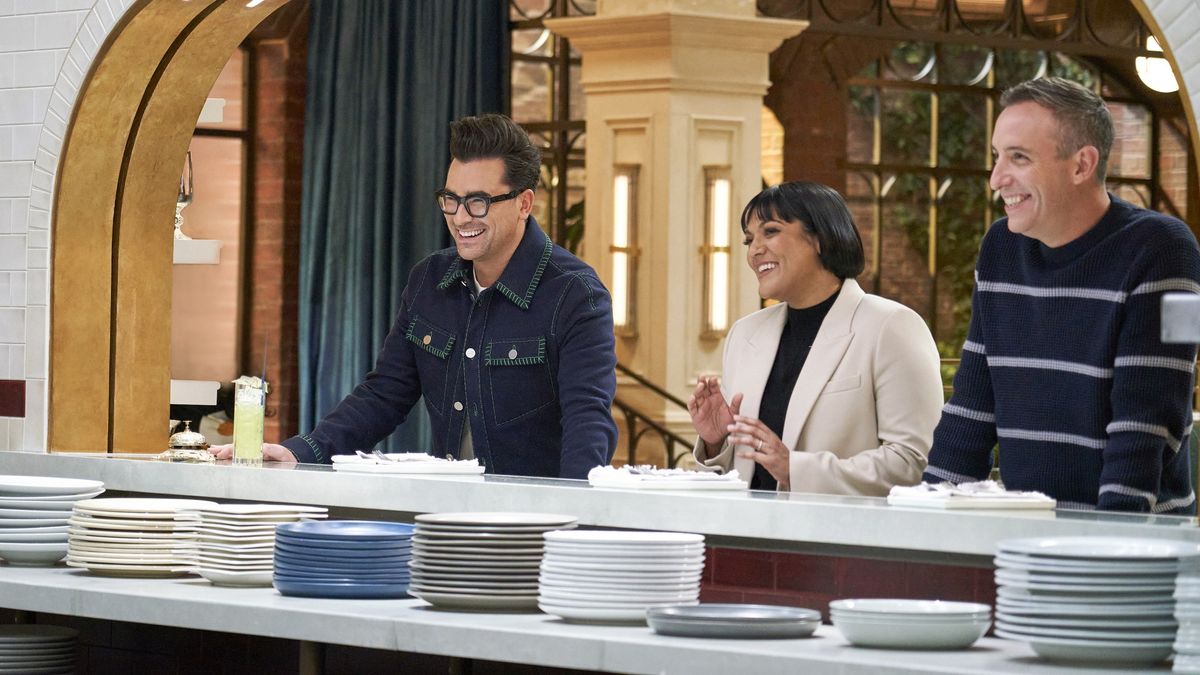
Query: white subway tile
pixel 96 27
pixel 16 433
pixel 20 216
pixel 16 288
pixel 17 33
pixel 38 258
pixel 72 71
pixel 7 70
pixel 46 160
pixel 38 239
pixel 39 199
pixel 15 178
pixel 37 291
pixel 6 209
pixel 37 329
pixel 13 253
pixel 87 40
pixel 67 5
pixel 34 69
pixel 12 324
pixel 6 7
pixel 6 363
pixel 33 6
pixel 41 102
pixel 25 141
pixel 6 144
pixel 55 124
pixel 37 219
pixel 35 416
pixel 107 16
pixel 60 105
pixel 18 106
pixel 6 299
pixel 42 179
pixel 5 443
pixel 58 31
pixel 68 90
pixel 51 143
pixel 16 362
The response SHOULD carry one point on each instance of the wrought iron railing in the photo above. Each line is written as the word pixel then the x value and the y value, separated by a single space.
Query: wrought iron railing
pixel 639 422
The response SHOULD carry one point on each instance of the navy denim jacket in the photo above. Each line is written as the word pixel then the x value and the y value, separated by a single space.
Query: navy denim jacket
pixel 529 362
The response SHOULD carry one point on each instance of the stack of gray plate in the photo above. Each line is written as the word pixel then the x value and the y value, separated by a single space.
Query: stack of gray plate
pixel 734 621
pixel 1090 599
pixel 34 649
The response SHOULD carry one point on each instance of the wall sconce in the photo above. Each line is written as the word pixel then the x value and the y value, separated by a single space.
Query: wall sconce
pixel 1156 72
pixel 717 198
pixel 624 250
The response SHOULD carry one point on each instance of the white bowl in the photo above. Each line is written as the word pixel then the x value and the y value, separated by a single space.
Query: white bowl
pixel 33 555
pixel 910 608
pixel 901 633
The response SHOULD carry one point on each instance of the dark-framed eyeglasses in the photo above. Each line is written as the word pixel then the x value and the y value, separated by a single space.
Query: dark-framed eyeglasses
pixel 477 204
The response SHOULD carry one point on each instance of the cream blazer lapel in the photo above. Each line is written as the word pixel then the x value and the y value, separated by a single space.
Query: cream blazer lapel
pixel 756 358
pixel 823 359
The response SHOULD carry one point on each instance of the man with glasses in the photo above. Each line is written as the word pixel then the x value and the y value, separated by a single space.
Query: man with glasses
pixel 507 337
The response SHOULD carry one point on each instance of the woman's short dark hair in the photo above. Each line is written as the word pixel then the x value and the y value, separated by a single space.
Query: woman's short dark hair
pixel 822 212
pixel 493 136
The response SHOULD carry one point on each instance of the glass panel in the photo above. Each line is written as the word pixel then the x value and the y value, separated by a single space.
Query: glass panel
pixel 962 130
pixel 1062 65
pixel 860 198
pixel 1138 195
pixel 919 14
pixel 531 87
pixel 904 264
pixel 582 8
pixel 205 299
pixel 578 107
pixel 230 86
pixel 533 41
pixel 860 124
pixel 905 117
pixel 964 64
pixel 961 223
pixel 1130 157
pixel 1013 67
pixel 1050 18
pixel 848 10
pixel 1173 163
pixel 528 9
pixel 1113 23
pixel 982 16
pixel 910 61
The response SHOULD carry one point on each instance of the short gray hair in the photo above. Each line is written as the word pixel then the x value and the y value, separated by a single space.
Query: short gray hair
pixel 1082 115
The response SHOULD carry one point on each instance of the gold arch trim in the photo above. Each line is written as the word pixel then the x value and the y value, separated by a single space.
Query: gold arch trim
pixel 114 206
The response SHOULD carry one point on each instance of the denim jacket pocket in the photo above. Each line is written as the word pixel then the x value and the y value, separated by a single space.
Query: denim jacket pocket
pixel 519 377
pixel 432 359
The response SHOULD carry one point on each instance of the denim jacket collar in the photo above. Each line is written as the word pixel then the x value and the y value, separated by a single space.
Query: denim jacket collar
pixel 519 280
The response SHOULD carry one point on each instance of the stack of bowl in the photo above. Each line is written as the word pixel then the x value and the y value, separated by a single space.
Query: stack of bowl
pixel 343 559
pixel 33 516
pixel 235 543
pixel 1090 599
pixel 910 624
pixel 481 560
pixel 608 576
pixel 36 649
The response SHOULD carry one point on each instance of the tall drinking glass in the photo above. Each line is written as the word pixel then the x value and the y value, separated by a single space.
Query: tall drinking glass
pixel 249 398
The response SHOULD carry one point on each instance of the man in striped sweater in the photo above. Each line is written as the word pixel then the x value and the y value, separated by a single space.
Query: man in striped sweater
pixel 1063 365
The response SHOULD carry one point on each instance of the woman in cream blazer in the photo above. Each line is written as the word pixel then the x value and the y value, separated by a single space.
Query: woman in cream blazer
pixel 861 415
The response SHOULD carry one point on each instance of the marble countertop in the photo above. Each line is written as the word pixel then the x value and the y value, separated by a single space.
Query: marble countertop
pixel 855 526
pixel 413 626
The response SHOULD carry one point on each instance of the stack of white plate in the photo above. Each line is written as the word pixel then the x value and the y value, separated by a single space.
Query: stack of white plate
pixel 480 560
pixel 910 624
pixel 1187 612
pixel 135 537
pixel 609 576
pixel 235 543
pixel 33 516
pixel 1093 599
pixel 34 649
pixel 343 559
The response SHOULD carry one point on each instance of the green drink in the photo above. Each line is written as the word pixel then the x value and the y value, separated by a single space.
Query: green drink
pixel 248 403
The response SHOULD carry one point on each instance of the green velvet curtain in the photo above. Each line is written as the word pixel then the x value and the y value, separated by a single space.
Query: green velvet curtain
pixel 385 78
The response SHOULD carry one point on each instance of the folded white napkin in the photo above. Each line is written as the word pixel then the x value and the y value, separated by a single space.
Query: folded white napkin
pixel 663 479
pixel 984 494
pixel 407 463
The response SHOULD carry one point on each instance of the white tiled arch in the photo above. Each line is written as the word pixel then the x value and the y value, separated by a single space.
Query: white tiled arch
pixel 47 47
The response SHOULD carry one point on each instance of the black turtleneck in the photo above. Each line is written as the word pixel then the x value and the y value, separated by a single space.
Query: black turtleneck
pixel 794 343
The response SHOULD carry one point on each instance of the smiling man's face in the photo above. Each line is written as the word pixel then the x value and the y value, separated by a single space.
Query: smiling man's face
pixel 489 241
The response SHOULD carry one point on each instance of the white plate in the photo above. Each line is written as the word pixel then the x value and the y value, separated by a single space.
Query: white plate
pixel 1118 579
pixel 144 505
pixel 903 634
pixel 413 468
pixel 605 586
pixel 1103 548
pixel 132 570
pixel 1093 651
pixel 470 601
pixel 100 526
pixel 52 670
pixel 31 537
pixel 612 599
pixel 492 553
pixel 476 585
pixel 590 614
pixel 474 538
pixel 427 528
pixel 631 568
pixel 1083 597
pixel 118 549
pixel 507 592
pixel 221 577
pixel 9 514
pixel 1068 609
pixel 33 554
pixel 239 532
pixel 46 485
pixel 647 577
pixel 1036 623
pixel 36 504
pixel 488 576
pixel 442 560
pixel 228 549
pixel 236 510
pixel 1082 588
pixel 23 523
pixel 534 545
pixel 128 537
pixel 73 497
pixel 633 559
pixel 1031 563
pixel 1115 635
pixel 610 537
pixel 495 519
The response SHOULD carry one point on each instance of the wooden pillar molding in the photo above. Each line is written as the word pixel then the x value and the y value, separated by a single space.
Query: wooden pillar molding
pixel 114 206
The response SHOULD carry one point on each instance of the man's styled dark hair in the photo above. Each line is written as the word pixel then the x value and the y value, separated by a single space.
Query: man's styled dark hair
pixel 493 136
pixel 822 212
pixel 1082 117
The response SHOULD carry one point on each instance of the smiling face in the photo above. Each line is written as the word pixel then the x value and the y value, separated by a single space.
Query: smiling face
pixel 490 241
pixel 1039 187
pixel 785 258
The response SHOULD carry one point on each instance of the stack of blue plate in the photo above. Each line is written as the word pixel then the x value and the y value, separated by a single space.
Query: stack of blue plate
pixel 343 559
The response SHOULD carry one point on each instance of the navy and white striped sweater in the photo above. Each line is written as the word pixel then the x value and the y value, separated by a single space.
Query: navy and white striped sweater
pixel 1064 367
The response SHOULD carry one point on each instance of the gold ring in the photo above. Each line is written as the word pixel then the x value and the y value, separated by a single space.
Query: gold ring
pixel 760 445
